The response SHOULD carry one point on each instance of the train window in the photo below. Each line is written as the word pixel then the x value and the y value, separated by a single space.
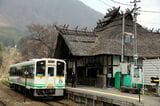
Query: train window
pixel 60 68
pixel 40 70
pixel 30 69
pixel 50 71
pixel 12 71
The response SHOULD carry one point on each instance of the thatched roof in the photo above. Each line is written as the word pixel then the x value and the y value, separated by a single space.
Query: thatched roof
pixel 80 45
pixel 106 38
pixel 79 42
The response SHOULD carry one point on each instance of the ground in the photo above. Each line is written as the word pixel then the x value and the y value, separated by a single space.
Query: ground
pixel 12 98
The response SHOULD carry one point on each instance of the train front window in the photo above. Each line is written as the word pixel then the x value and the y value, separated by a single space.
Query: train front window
pixel 50 71
pixel 60 68
pixel 40 70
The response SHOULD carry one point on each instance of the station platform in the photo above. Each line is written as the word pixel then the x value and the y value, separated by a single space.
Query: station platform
pixel 111 96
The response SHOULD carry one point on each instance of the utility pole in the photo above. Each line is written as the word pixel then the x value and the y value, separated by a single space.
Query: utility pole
pixel 135 13
pixel 122 52
pixel 123 28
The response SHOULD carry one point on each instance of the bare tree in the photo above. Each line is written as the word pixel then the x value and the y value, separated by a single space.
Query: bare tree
pixel 41 42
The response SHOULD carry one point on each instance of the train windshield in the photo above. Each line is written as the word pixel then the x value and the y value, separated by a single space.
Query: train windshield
pixel 60 68
pixel 50 71
pixel 40 70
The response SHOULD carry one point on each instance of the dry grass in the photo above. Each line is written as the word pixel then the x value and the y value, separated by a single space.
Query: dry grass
pixel 10 56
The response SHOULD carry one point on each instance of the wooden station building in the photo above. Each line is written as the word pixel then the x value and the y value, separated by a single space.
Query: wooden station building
pixel 93 55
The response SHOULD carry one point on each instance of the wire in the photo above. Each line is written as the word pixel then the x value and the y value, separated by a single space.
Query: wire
pixel 149 11
pixel 121 3
pixel 132 5
pixel 155 23
pixel 105 3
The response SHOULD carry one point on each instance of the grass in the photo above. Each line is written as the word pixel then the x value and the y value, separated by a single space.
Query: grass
pixel 150 93
pixel 4 81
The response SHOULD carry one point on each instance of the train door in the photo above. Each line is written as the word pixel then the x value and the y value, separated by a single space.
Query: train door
pixel 50 76
pixel 40 74
pixel 60 75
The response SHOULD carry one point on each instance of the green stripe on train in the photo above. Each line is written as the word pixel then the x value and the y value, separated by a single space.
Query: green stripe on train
pixel 28 84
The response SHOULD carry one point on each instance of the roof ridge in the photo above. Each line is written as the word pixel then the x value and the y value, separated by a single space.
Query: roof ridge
pixel 66 31
pixel 113 14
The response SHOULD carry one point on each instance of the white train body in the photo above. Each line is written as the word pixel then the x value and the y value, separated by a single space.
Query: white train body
pixel 46 77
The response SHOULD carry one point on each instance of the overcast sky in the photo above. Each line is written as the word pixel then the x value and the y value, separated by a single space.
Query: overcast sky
pixel 146 19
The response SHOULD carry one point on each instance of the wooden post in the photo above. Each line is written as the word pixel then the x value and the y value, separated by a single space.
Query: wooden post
pixel 74 70
pixel 104 71
pixel 139 91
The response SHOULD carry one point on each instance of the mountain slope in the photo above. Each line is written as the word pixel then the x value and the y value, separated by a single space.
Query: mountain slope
pixel 9 36
pixel 19 13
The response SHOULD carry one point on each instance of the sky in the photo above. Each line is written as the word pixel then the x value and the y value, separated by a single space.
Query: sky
pixel 149 16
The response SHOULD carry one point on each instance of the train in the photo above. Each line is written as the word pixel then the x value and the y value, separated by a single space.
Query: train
pixel 39 77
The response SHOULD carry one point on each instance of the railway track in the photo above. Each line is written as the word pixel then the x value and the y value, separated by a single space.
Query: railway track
pixel 56 103
pixel 20 97
pixel 47 102
pixel 12 93
pixel 63 102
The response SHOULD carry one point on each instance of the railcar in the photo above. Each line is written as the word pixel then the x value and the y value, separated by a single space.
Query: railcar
pixel 39 77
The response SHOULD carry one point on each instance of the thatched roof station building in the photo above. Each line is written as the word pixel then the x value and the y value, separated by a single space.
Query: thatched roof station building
pixel 94 55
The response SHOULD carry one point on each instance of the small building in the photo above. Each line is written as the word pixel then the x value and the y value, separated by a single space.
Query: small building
pixel 94 55
pixel 151 68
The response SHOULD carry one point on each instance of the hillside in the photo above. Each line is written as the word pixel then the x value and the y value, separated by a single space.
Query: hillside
pixel 9 36
pixel 19 13
pixel 15 15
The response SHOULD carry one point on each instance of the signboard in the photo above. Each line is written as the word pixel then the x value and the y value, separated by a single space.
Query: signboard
pixel 136 75
pixel 124 68
pixel 115 69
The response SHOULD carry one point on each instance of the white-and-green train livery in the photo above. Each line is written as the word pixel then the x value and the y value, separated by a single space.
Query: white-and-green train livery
pixel 39 77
